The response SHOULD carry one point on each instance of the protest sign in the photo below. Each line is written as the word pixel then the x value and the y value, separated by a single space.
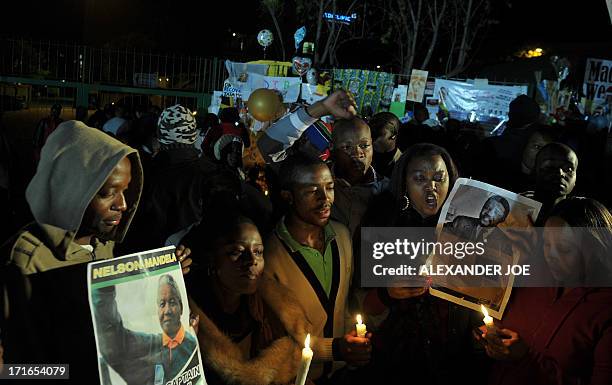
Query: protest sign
pixel 289 87
pixel 418 80
pixel 598 82
pixel 140 312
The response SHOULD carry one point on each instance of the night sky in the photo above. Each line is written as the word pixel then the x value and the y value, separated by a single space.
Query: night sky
pixel 578 29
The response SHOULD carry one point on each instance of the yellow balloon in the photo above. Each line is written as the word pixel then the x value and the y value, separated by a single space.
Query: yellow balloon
pixel 264 104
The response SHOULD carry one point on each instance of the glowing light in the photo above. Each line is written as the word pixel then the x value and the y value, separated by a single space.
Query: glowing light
pixel 531 53
pixel 377 67
pixel 234 34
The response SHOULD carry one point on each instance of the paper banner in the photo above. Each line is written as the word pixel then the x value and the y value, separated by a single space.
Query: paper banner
pixel 289 87
pixel 486 104
pixel 418 80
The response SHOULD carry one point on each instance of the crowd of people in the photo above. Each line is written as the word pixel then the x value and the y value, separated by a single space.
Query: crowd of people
pixel 272 252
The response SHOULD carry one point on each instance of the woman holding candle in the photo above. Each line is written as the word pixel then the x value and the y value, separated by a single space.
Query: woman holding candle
pixel 562 335
pixel 422 335
pixel 250 329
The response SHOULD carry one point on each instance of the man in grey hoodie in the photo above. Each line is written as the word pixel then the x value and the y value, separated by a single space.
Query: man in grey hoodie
pixel 83 197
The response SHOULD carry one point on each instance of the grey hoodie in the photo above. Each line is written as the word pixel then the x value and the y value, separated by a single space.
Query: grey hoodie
pixel 75 162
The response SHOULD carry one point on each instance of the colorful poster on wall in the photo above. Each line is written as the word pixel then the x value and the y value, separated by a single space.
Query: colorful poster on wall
pixel 486 104
pixel 598 82
pixel 372 90
pixel 418 80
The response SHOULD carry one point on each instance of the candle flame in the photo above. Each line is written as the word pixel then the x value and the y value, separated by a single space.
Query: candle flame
pixel 307 341
pixel 359 320
pixel 484 311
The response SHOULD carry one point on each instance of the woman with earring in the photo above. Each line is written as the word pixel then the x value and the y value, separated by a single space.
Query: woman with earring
pixel 249 326
pixel 422 335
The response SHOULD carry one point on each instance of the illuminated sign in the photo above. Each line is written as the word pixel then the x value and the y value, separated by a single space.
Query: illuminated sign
pixel 345 19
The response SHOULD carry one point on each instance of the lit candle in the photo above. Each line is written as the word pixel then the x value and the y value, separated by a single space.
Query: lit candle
pixel 300 379
pixel 488 321
pixel 361 328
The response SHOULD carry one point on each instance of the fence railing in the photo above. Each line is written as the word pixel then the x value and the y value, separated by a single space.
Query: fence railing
pixel 123 67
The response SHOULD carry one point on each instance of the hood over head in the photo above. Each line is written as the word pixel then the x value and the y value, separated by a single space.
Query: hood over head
pixel 75 162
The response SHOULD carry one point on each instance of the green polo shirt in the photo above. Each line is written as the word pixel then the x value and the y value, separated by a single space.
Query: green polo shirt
pixel 321 265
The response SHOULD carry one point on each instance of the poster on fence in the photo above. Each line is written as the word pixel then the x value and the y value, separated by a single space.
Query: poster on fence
pixel 289 87
pixel 140 312
pixel 598 82
pixel 373 91
pixel 486 104
pixel 418 81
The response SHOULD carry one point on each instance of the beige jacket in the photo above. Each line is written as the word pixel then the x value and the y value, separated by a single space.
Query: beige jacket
pixel 327 316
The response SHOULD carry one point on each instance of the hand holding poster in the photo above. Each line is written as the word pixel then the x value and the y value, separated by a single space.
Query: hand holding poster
pixel 484 216
pixel 140 312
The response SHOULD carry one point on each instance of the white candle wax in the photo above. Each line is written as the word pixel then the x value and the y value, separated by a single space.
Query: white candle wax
pixel 307 354
pixel 488 321
pixel 361 327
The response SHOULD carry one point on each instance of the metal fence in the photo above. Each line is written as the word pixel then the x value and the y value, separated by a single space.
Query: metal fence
pixel 122 67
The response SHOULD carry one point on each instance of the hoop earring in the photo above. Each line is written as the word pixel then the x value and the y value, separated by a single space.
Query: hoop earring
pixel 406 205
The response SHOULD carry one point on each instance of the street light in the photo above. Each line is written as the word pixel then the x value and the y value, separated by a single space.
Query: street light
pixel 234 34
pixel 378 67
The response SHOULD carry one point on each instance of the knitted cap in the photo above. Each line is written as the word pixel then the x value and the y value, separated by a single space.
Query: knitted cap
pixel 176 124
